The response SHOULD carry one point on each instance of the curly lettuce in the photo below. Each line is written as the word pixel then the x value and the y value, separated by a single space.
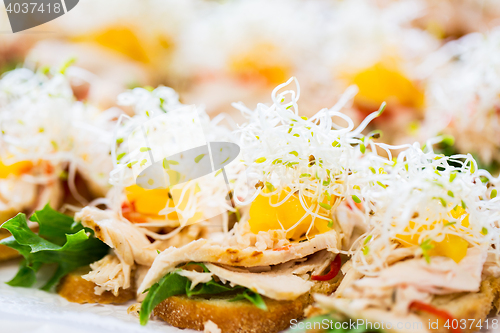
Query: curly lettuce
pixel 174 284
pixel 59 241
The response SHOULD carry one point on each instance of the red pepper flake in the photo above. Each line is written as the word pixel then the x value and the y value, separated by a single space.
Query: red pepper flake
pixel 128 212
pixel 334 270
pixel 47 167
pixel 127 207
pixel 424 307
pixel 284 248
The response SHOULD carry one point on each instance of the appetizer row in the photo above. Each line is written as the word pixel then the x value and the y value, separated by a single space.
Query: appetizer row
pixel 315 217
pixel 433 81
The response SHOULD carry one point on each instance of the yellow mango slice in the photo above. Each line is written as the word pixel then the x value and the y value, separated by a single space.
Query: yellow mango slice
pixel 182 206
pixel 264 217
pixel 264 61
pixel 151 202
pixel 453 246
pixel 321 226
pixel 410 240
pixel 120 39
pixel 147 201
pixel 457 212
pixel 15 169
pixel 379 83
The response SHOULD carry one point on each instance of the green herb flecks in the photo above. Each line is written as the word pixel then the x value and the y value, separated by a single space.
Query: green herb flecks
pixel 426 247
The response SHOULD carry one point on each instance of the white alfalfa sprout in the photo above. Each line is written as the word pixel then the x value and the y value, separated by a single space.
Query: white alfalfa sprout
pixel 286 152
pixel 424 187
pixel 41 120
pixel 148 104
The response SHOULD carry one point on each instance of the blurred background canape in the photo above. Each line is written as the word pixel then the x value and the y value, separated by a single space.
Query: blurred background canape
pixel 433 62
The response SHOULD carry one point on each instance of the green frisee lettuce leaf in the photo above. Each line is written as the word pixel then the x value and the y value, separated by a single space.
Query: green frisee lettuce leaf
pixel 174 284
pixel 59 241
pixel 251 296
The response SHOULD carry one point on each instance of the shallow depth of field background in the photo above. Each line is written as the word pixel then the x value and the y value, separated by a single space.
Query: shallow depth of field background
pixel 435 62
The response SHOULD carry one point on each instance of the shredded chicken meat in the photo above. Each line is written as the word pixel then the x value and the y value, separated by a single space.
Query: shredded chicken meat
pixel 204 250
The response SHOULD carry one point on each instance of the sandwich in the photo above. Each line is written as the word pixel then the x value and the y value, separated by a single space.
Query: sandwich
pixel 386 69
pixel 275 42
pixel 258 53
pixel 139 41
pixel 131 224
pixel 64 156
pixel 449 20
pixel 463 96
pixel 260 275
pixel 429 257
pixel 139 222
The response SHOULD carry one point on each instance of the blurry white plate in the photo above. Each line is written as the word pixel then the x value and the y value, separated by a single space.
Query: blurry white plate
pixel 24 310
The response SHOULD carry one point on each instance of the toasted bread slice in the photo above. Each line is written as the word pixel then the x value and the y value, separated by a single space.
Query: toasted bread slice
pixel 469 309
pixel 78 290
pixel 466 307
pixel 238 316
pixel 6 252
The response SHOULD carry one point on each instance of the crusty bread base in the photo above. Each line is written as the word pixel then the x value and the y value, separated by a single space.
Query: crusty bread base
pixel 461 306
pixel 78 290
pixel 326 287
pixel 239 316
pixel 466 306
pixel 6 252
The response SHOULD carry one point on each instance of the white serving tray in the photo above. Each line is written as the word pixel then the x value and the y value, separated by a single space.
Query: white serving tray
pixel 30 310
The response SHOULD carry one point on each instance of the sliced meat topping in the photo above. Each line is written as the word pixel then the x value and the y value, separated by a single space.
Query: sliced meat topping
pixel 130 244
pixel 209 251
pixel 109 274
pixel 196 277
pixel 441 276
pixel 274 284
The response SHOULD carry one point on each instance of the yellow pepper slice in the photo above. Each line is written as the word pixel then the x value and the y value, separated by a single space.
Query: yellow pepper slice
pixel 264 217
pixel 150 202
pixel 15 169
pixel 120 39
pixel 379 83
pixel 147 201
pixel 264 61
pixel 453 246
